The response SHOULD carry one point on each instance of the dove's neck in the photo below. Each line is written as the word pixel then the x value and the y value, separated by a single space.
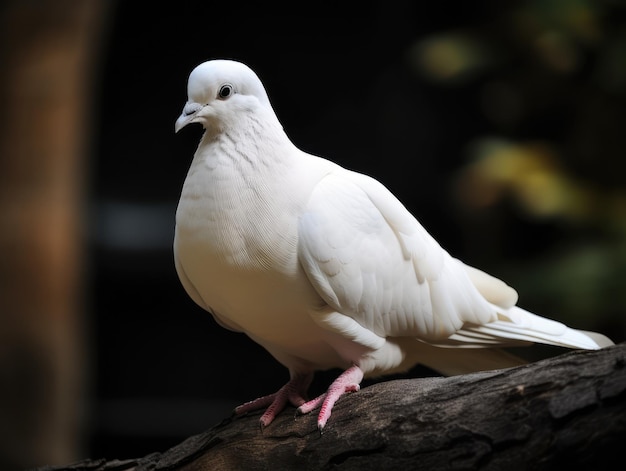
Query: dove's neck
pixel 250 145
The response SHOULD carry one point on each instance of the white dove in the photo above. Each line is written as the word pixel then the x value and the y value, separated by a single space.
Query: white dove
pixel 323 266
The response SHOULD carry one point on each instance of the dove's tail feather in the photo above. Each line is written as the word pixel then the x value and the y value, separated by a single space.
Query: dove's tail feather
pixel 517 327
pixel 468 349
pixel 517 324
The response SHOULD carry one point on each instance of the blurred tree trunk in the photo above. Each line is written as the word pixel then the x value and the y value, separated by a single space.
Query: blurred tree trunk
pixel 47 51
pixel 567 412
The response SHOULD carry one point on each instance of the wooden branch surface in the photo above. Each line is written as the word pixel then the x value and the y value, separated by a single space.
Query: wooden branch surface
pixel 567 412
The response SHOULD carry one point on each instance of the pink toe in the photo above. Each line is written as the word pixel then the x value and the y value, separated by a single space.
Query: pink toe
pixel 256 404
pixel 311 405
pixel 293 392
pixel 348 381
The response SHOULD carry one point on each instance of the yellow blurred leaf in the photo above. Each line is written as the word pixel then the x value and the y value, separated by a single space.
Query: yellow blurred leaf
pixel 449 57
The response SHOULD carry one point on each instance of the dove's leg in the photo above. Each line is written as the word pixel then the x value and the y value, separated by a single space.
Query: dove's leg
pixel 293 392
pixel 348 381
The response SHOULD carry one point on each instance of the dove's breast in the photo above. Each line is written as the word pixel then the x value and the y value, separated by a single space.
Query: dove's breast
pixel 241 216
pixel 236 249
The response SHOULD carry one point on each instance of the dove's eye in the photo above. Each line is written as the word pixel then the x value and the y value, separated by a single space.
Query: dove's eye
pixel 226 90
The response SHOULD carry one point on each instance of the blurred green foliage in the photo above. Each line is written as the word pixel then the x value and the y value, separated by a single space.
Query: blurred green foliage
pixel 551 77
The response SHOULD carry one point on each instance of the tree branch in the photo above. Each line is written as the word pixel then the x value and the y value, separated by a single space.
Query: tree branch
pixel 566 412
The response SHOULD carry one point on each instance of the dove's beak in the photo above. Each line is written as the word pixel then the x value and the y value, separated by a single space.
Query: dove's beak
pixel 187 116
pixel 181 122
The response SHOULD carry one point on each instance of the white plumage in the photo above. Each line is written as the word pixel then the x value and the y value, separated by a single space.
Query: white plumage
pixel 323 266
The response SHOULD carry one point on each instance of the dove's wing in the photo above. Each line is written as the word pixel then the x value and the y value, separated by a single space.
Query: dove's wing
pixel 371 260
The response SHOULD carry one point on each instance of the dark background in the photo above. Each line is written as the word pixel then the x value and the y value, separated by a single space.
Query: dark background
pixel 498 124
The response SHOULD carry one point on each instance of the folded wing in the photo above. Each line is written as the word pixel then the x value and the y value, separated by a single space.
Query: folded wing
pixel 372 261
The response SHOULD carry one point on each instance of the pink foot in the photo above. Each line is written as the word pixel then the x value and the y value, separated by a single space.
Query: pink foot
pixel 292 392
pixel 348 381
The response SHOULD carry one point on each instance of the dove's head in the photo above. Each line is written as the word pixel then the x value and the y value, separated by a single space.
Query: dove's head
pixel 219 90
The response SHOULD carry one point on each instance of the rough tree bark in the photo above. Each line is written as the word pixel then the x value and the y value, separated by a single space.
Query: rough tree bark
pixel 568 412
